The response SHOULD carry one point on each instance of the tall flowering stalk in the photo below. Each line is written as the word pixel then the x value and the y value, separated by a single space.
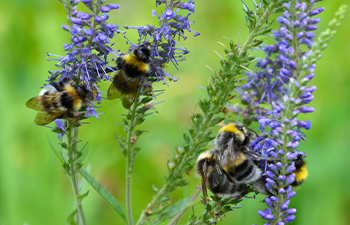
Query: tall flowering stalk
pixel 283 80
pixel 85 63
pixel 164 49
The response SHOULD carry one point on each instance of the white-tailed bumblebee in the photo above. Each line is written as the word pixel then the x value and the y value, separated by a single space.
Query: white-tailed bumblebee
pixel 235 158
pixel 132 67
pixel 67 99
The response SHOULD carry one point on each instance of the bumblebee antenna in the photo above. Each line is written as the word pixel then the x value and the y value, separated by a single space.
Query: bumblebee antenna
pixel 251 130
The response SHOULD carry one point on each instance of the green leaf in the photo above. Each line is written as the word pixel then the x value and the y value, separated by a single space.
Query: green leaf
pixel 187 139
pixel 55 151
pixel 82 196
pixel 71 218
pixel 111 201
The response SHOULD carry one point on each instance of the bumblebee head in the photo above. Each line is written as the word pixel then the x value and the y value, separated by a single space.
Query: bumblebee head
pixel 207 158
pixel 299 161
pixel 142 53
pixel 233 130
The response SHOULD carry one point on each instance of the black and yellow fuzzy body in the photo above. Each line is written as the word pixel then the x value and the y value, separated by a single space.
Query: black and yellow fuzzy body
pixel 55 104
pixel 231 140
pixel 244 171
pixel 215 178
pixel 300 172
pixel 233 143
pixel 132 67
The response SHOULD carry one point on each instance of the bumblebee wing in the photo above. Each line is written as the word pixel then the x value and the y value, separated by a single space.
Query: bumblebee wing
pixel 43 118
pixel 125 90
pixel 129 99
pixel 113 91
pixel 34 103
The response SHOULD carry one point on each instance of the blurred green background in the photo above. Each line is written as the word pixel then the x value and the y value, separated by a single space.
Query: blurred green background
pixel 33 187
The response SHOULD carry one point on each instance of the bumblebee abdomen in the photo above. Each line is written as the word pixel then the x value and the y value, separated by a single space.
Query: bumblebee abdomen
pixel 70 98
pixel 300 175
pixel 67 101
pixel 221 186
pixel 246 172
pixel 134 68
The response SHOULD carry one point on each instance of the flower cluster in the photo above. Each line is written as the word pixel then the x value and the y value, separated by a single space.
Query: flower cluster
pixel 86 58
pixel 268 82
pixel 162 39
pixel 281 80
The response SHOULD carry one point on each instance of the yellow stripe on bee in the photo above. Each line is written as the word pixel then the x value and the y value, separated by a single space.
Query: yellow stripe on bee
pixel 77 102
pixel 232 128
pixel 129 59
pixel 301 174
pixel 239 160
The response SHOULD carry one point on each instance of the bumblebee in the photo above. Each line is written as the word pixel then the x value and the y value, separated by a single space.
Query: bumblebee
pixel 300 171
pixel 132 67
pixel 234 156
pixel 215 177
pixel 61 102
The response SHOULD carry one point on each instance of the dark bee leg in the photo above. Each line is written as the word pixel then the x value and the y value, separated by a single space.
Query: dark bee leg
pixel 204 183
pixel 256 157
pixel 230 179
pixel 57 85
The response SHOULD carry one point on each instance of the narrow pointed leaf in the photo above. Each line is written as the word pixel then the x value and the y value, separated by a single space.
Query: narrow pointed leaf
pixel 111 201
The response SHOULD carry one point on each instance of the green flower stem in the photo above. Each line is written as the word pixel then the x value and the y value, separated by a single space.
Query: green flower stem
pixel 130 155
pixel 72 170
pixel 216 103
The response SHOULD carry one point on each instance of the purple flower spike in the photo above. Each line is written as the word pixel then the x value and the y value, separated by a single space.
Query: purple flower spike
pixel 279 82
